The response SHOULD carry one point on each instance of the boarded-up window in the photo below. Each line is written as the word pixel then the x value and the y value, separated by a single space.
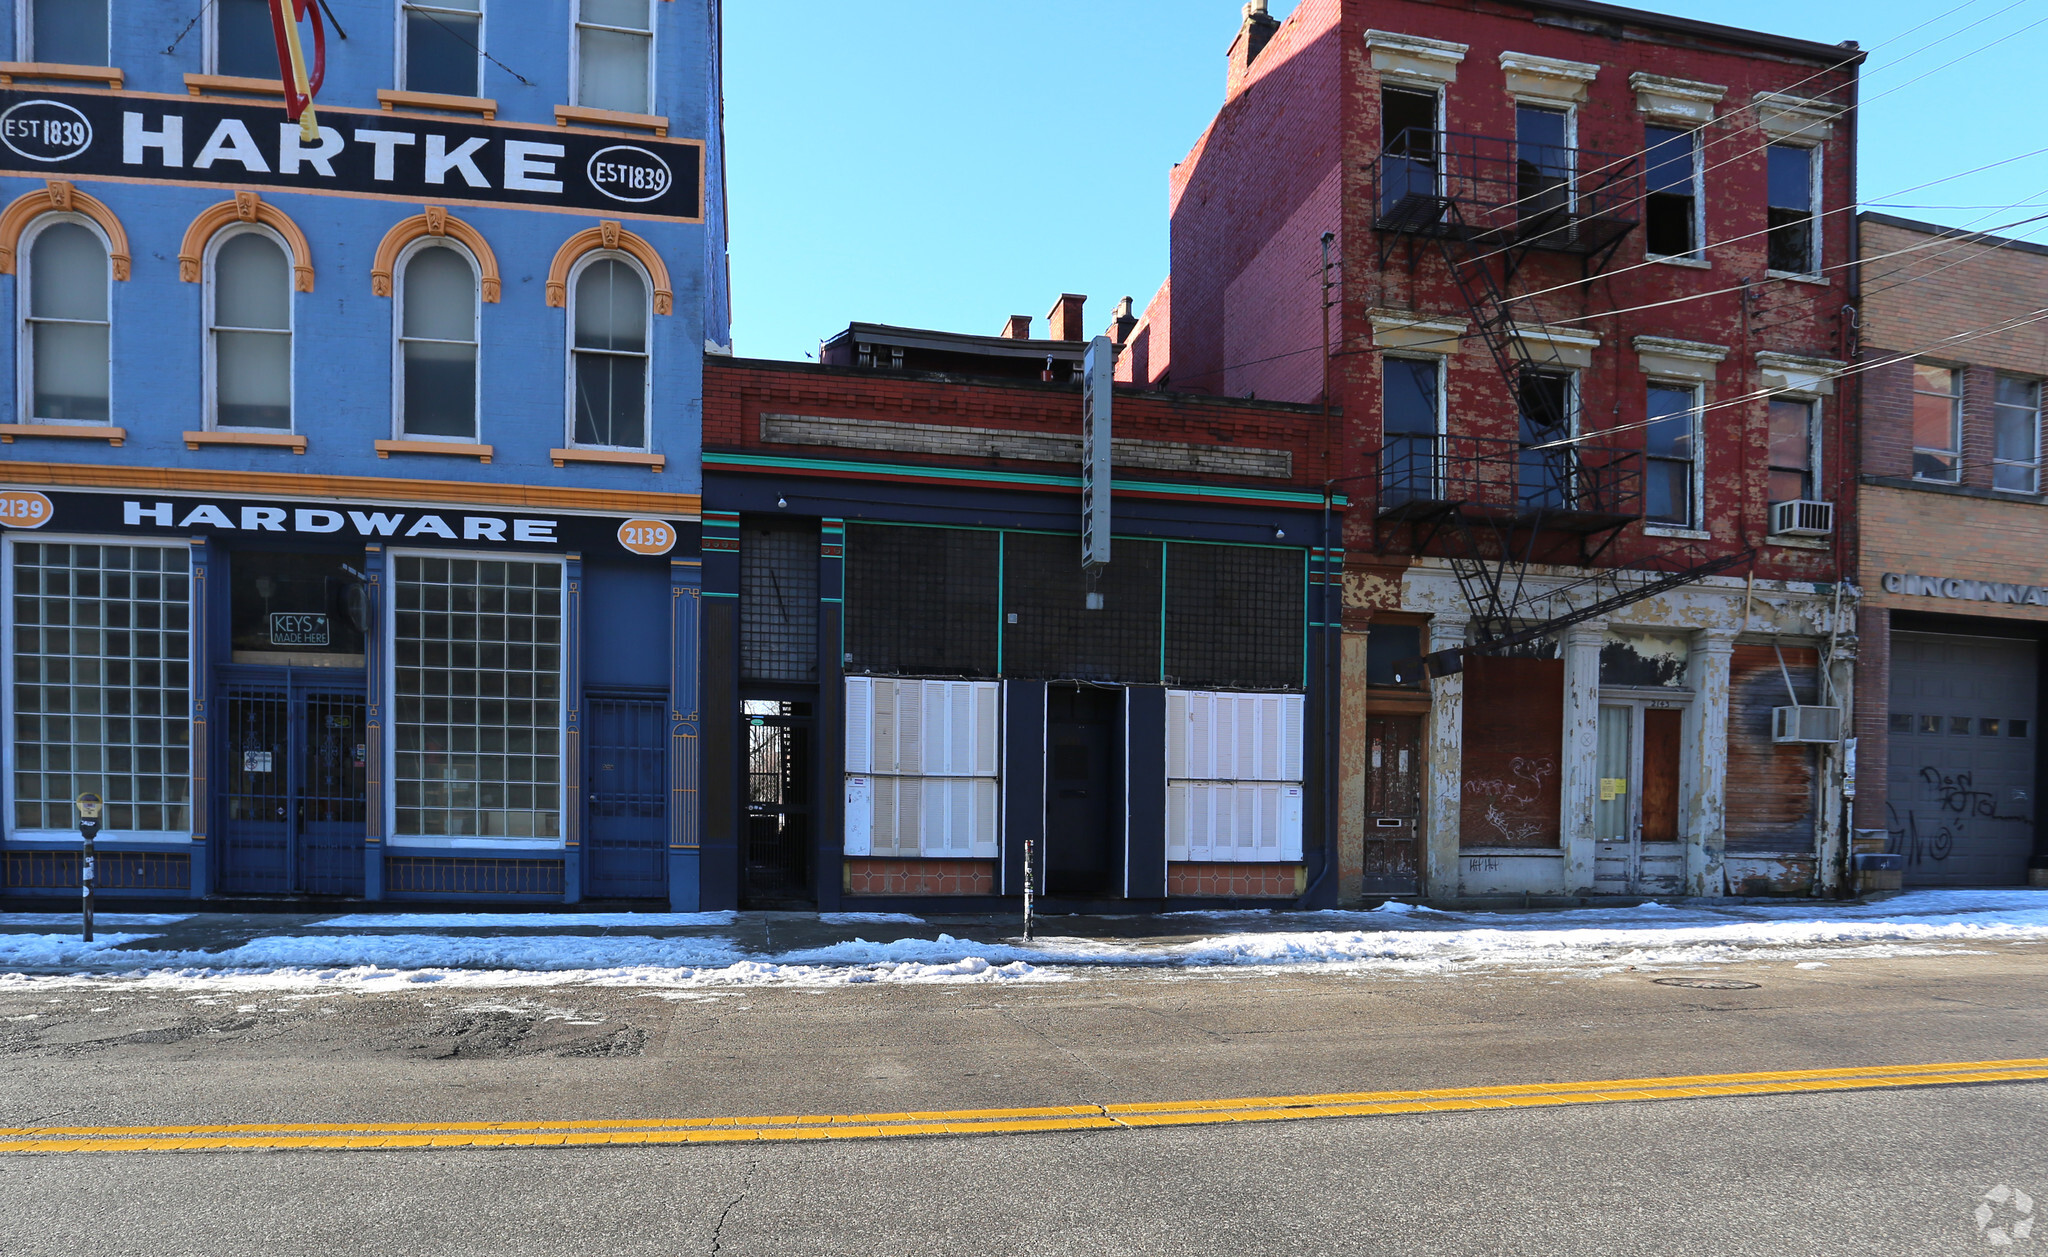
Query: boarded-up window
pixel 778 601
pixel 1233 776
pixel 1770 796
pixel 923 765
pixel 921 601
pixel 1055 636
pixel 1514 737
pixel 1234 617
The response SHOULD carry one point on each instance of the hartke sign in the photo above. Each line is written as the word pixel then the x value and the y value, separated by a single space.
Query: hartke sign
pixel 82 135
pixel 235 519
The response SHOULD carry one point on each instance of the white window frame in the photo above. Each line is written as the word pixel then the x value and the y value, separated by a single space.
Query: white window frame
pixel 1420 87
pixel 647 356
pixel 388 636
pixel 2040 387
pixel 1699 195
pixel 1439 445
pixel 576 27
pixel 8 540
pixel 24 335
pixel 1570 110
pixel 1813 224
pixel 1814 445
pixel 210 420
pixel 211 56
pixel 483 18
pixel 25 30
pixel 1955 424
pixel 398 273
pixel 1697 491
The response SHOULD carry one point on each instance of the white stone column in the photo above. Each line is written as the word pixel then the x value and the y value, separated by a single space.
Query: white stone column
pixel 1579 764
pixel 1446 782
pixel 1705 810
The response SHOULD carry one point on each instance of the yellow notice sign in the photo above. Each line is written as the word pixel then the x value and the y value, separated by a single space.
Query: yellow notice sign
pixel 1612 788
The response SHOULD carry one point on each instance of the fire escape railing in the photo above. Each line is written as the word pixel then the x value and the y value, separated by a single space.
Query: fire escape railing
pixel 1486 203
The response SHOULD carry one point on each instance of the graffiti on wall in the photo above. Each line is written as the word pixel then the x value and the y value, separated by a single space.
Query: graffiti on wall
pixel 1522 788
pixel 1932 838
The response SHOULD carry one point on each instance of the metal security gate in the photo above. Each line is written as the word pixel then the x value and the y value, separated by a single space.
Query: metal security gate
pixel 1962 730
pixel 627 844
pixel 778 840
pixel 294 807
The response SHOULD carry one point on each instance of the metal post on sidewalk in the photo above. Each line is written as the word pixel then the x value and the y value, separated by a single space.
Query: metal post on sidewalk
pixel 1030 877
pixel 88 828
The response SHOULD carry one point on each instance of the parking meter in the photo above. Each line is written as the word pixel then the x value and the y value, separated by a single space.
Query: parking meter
pixel 89 808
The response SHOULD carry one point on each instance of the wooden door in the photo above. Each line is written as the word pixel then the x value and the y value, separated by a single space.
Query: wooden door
pixel 1393 804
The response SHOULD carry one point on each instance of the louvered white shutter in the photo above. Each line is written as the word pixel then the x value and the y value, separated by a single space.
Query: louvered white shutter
pixel 1234 768
pixel 860 815
pixel 860 725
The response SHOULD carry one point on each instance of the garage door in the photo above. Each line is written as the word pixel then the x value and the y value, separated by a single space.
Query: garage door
pixel 1961 797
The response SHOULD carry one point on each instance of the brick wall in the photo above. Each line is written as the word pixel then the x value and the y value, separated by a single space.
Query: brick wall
pixel 1236 881
pixel 1242 251
pixel 748 404
pixel 920 877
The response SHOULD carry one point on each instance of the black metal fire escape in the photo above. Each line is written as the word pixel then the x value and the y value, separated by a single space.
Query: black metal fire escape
pixel 1499 506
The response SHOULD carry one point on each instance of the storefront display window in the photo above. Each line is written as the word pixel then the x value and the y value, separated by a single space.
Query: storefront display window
pixel 477 663
pixel 306 609
pixel 100 670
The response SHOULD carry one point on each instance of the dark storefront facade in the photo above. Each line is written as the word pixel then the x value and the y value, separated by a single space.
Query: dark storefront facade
pixel 925 680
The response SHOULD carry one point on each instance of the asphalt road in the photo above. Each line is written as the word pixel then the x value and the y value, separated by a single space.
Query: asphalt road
pixel 1880 1172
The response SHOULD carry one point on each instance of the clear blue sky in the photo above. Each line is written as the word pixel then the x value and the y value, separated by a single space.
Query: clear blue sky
pixel 946 163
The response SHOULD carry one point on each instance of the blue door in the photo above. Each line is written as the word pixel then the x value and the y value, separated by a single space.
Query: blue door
pixel 293 809
pixel 626 773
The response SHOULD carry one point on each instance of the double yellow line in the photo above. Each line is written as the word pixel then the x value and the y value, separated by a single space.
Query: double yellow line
pixel 1067 1117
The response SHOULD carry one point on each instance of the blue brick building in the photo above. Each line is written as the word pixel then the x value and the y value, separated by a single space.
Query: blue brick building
pixel 350 484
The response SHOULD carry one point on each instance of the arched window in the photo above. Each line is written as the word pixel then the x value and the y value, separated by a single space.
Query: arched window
pixel 608 354
pixel 437 342
pixel 64 323
pixel 249 331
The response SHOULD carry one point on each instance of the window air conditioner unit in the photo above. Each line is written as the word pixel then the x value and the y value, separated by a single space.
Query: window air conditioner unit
pixel 1802 518
pixel 1806 724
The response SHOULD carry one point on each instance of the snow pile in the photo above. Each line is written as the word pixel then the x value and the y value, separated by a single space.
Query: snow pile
pixel 1392 939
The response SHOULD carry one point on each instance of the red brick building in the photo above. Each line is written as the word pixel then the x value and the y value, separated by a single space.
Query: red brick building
pixel 908 676
pixel 1586 277
pixel 1953 552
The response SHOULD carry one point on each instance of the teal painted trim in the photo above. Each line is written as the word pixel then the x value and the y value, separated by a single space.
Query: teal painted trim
pixel 713 594
pixel 1001 618
pixel 1009 477
pixel 831 600
pixel 1165 556
pixel 1307 615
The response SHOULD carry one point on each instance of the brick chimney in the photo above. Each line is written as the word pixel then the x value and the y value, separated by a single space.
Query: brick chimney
pixel 1251 40
pixel 1065 317
pixel 1119 329
pixel 1018 327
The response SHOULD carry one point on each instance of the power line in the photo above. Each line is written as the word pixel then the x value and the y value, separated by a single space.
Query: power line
pixel 1830 119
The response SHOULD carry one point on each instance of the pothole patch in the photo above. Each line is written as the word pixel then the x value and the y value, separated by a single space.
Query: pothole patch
pixel 1709 984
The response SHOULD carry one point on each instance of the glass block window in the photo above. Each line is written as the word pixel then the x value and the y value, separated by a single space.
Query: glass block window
pixel 101 672
pixel 477 653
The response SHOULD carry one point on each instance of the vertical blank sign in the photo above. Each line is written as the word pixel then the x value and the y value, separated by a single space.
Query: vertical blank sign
pixel 1097 375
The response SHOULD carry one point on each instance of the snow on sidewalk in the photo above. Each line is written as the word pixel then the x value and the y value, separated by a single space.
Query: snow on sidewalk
pixel 377 951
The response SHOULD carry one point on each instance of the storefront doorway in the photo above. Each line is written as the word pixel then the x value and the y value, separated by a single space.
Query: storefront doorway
pixel 1083 795
pixel 293 754
pixel 1393 804
pixel 778 839
pixel 626 768
pixel 1637 828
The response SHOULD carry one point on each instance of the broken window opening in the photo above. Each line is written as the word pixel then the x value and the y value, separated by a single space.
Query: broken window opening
pixel 1793 247
pixel 1408 138
pixel 1408 445
pixel 1671 210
